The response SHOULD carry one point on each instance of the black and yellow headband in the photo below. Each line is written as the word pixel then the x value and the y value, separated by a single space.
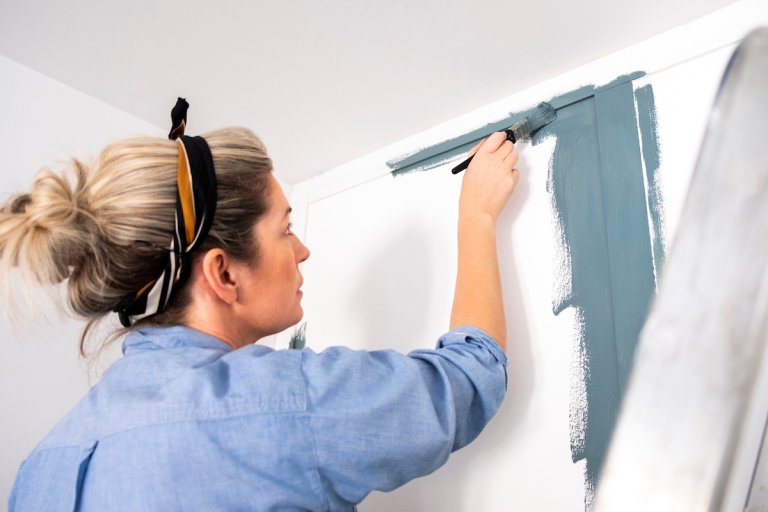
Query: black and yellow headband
pixel 196 198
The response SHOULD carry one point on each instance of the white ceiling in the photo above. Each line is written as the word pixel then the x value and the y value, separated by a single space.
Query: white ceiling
pixel 321 82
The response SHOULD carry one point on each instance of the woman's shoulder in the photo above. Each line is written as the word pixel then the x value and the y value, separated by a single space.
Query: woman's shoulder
pixel 165 385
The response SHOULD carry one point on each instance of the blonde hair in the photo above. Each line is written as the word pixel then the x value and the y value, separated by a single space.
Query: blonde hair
pixel 106 228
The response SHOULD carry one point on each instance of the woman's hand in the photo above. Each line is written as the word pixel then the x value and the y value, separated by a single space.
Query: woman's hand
pixel 490 179
pixel 488 182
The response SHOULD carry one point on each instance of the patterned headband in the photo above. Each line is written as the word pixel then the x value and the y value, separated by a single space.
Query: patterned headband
pixel 196 198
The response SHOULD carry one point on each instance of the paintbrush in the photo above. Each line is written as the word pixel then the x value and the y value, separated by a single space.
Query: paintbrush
pixel 543 114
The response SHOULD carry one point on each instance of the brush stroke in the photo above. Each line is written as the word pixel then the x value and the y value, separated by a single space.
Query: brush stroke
pixel 456 147
pixel 575 186
pixel 604 219
pixel 299 337
pixel 646 115
pixel 599 199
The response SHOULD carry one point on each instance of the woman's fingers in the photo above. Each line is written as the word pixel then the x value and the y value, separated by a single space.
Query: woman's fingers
pixel 515 178
pixel 506 148
pixel 491 177
pixel 512 156
pixel 493 142
pixel 497 141
pixel 474 149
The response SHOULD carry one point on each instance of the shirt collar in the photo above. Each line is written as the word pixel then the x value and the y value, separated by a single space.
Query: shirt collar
pixel 175 336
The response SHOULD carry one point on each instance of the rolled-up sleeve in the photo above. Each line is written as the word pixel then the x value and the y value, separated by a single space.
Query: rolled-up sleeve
pixel 381 418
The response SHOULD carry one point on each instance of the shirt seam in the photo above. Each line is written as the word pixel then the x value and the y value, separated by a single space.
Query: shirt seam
pixel 315 454
pixel 100 436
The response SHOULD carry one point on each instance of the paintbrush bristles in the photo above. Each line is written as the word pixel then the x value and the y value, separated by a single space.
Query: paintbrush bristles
pixel 542 115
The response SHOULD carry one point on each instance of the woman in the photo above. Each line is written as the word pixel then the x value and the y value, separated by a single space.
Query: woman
pixel 190 243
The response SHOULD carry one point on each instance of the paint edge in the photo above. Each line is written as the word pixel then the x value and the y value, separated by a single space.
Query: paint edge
pixel 649 141
pixel 419 160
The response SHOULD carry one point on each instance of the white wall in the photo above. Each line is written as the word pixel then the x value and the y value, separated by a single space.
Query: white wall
pixel 383 263
pixel 41 376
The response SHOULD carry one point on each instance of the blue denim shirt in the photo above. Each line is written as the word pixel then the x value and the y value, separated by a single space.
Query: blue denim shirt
pixel 183 422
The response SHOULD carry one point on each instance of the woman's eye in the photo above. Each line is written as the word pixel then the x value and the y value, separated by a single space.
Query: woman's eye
pixel 289 228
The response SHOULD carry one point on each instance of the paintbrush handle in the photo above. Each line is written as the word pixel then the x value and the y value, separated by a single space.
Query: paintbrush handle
pixel 463 165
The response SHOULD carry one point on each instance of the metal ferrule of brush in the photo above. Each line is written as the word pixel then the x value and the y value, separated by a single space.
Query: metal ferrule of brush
pixel 519 131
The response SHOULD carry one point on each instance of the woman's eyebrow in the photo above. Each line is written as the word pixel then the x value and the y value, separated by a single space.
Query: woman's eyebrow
pixel 288 211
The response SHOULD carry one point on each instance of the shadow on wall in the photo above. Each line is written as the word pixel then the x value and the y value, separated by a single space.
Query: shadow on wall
pixel 409 256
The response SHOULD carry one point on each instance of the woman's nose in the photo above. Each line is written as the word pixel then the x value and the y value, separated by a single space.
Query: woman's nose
pixel 303 252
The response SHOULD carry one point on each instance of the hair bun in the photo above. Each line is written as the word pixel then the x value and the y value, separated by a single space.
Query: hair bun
pixel 49 229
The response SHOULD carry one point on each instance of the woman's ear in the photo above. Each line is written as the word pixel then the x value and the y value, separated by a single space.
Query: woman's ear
pixel 219 276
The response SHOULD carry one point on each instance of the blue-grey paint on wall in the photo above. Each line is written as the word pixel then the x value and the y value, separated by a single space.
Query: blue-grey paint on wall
pixel 456 147
pixel 601 207
pixel 299 338
pixel 597 191
pixel 646 113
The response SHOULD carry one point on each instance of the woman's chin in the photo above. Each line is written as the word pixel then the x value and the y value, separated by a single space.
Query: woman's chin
pixel 298 315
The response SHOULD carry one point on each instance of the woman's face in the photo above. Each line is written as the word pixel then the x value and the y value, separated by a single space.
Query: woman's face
pixel 272 282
